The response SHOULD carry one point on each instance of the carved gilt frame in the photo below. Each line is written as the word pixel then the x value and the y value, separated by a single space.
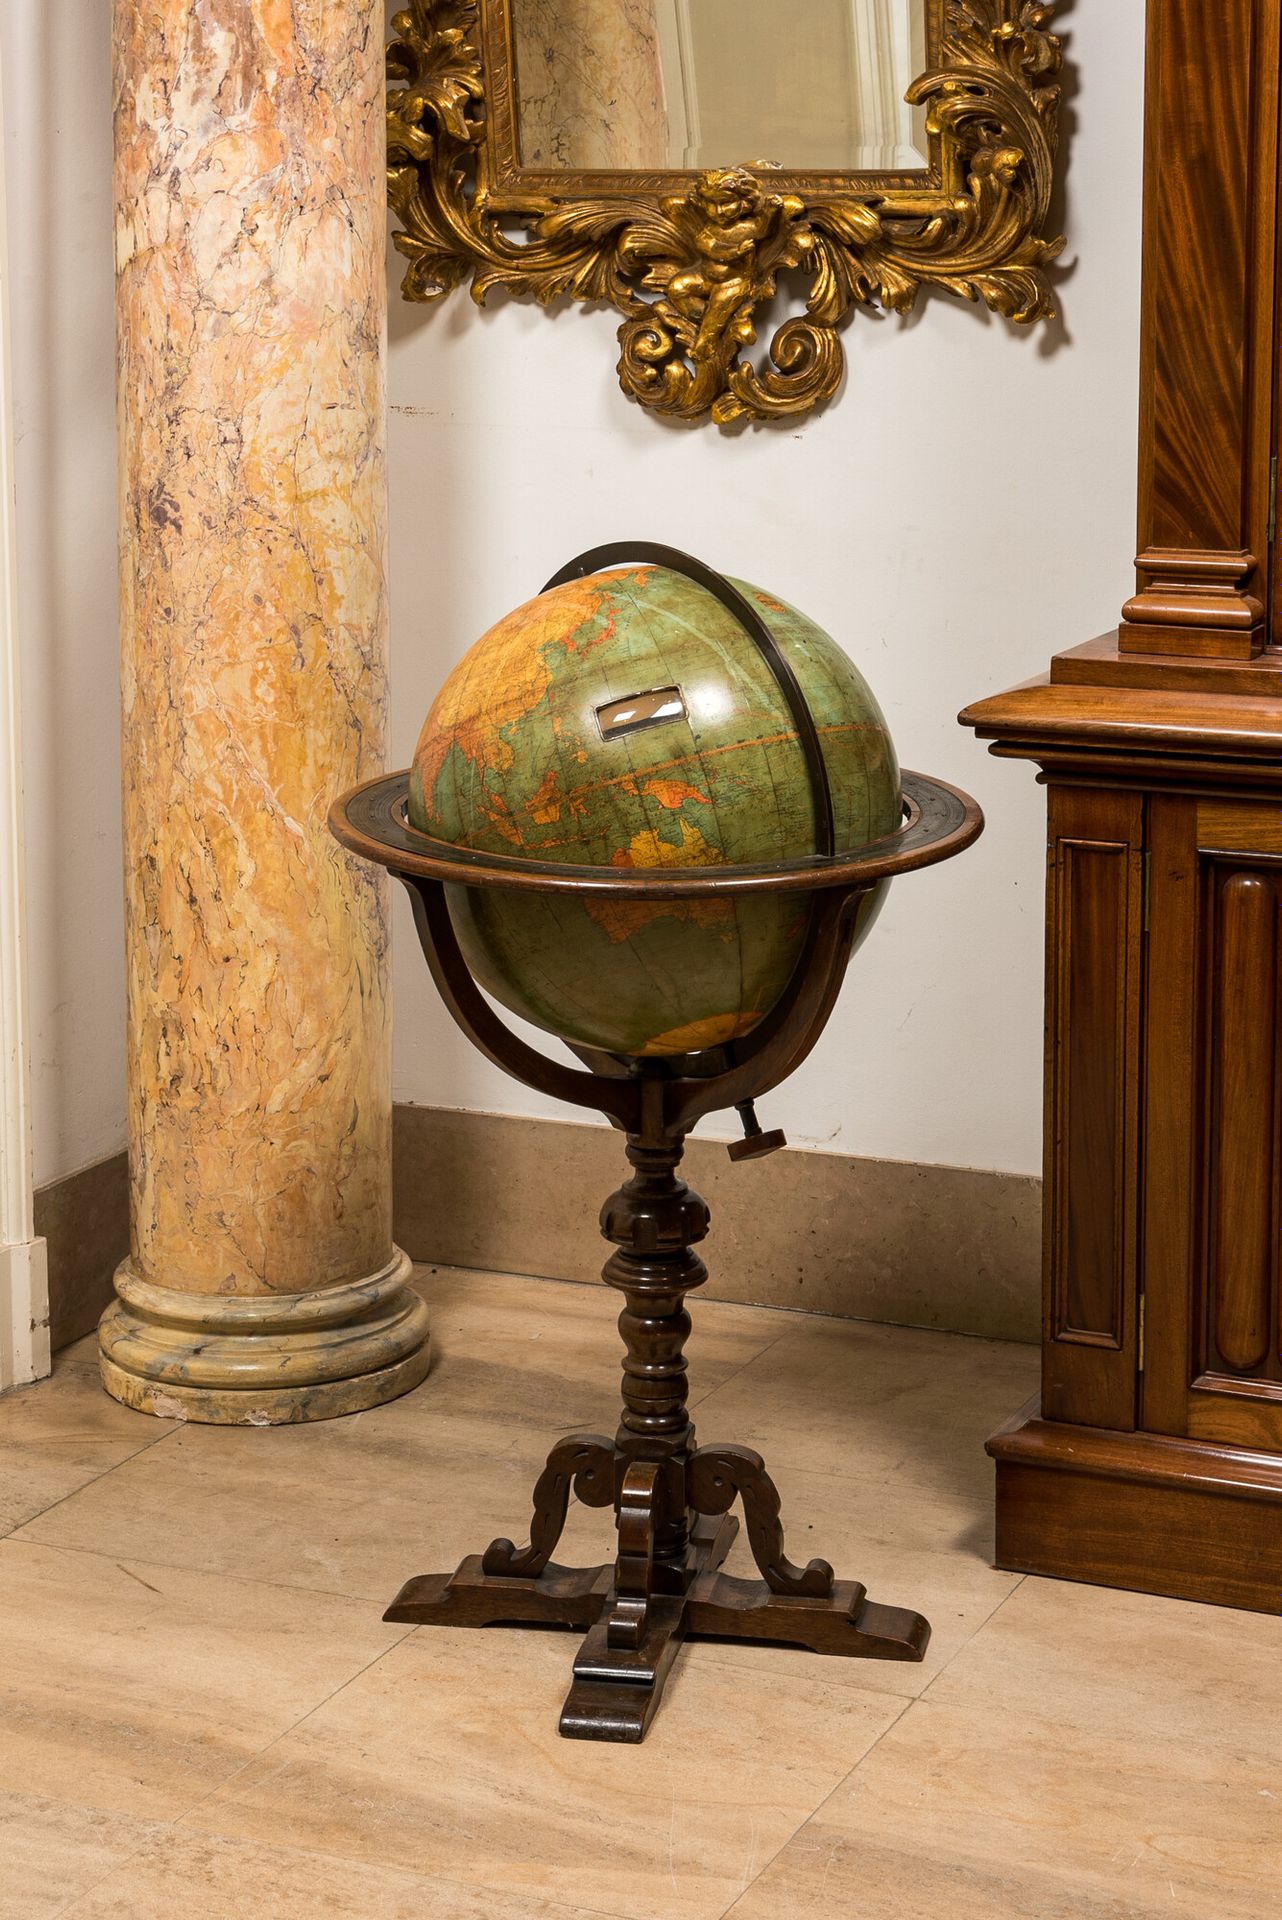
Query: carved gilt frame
pixel 689 258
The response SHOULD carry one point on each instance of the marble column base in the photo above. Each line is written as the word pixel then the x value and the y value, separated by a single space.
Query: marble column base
pixel 263 1360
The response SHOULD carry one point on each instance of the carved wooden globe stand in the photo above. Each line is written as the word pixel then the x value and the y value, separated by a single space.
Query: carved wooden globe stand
pixel 671 1499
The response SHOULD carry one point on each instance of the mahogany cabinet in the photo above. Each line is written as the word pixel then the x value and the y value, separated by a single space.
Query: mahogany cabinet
pixel 1153 1456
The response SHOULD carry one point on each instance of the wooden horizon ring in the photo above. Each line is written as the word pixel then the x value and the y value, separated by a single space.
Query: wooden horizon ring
pixel 940 821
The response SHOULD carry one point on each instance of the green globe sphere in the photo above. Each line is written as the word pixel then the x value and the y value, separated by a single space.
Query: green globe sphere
pixel 628 720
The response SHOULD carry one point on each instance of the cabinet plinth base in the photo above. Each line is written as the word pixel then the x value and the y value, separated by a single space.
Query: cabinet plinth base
pixel 1190 1519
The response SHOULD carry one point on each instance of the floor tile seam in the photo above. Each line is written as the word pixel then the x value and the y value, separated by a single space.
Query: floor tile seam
pixel 94 1478
pixel 543 1435
pixel 985 1622
pixel 860 1689
pixel 600 1285
pixel 181 1819
pixel 890 1481
pixel 749 1306
pixel 210 1800
pixel 444 1880
pixel 158 1826
pixel 698 1400
pixel 1105 1885
pixel 867 1686
pixel 321 1855
pixel 182 1566
pixel 1214 1748
pixel 789 1314
pixel 814 1813
pixel 795 1315
pixel 120 1866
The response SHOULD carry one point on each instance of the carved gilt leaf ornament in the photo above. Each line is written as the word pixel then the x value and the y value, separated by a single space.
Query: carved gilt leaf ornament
pixel 688 259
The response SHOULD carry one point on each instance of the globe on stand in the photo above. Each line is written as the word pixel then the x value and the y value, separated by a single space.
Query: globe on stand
pixel 653 812
pixel 630 720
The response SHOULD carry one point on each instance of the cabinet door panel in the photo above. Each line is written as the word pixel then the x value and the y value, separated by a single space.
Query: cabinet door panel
pixel 1242 1063
pixel 1211 1275
pixel 1095 933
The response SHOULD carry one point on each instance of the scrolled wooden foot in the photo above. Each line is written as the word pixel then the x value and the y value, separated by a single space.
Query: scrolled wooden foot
pixel 470 1597
pixel 617 1689
pixel 717 1476
pixel 634 1568
pixel 846 1623
pixel 584 1461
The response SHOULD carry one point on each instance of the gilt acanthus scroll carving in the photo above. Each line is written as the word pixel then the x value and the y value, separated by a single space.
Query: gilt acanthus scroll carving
pixel 690 269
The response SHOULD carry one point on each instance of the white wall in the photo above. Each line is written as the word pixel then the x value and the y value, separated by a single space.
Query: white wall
pixel 57 85
pixel 963 510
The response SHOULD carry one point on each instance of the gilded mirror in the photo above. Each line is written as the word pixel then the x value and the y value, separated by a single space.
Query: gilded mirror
pixel 678 159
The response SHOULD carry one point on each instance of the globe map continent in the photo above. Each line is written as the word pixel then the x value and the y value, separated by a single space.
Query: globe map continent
pixel 628 720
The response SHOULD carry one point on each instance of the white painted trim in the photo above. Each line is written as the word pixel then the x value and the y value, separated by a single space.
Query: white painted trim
pixel 684 139
pixel 881 74
pixel 24 1286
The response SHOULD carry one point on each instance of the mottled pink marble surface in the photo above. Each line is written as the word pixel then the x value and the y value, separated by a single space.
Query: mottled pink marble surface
pixel 251 302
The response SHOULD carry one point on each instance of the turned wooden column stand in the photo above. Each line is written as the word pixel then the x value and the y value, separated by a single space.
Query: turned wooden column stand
pixel 671 1498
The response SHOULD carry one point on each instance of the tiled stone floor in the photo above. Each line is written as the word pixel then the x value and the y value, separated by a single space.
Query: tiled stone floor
pixel 201 1711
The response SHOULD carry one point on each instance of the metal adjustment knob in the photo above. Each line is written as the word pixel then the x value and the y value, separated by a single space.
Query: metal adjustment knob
pixel 755 1143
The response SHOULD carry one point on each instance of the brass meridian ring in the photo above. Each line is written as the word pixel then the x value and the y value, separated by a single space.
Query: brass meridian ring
pixel 370 820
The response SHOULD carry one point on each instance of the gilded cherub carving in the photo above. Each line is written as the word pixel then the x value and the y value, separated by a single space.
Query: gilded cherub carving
pixel 689 270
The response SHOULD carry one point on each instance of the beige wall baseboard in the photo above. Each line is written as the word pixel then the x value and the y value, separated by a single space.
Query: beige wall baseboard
pixel 870 1239
pixel 84 1217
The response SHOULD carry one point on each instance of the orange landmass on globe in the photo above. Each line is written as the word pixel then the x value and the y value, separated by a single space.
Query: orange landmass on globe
pixel 514 677
pixel 545 805
pixel 580 642
pixel 649 849
pixel 621 919
pixel 499 815
pixel 713 1031
pixel 674 793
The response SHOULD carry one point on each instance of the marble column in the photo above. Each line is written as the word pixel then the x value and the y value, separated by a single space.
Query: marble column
pixel 262 1284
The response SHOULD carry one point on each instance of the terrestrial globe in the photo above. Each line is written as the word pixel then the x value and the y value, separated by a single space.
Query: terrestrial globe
pixel 629 719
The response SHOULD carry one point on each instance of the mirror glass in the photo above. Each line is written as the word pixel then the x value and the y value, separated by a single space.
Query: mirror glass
pixel 813 85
